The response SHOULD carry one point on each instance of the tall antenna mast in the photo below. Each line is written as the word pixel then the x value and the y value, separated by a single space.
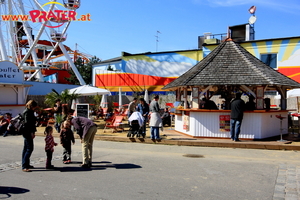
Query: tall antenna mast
pixel 157 37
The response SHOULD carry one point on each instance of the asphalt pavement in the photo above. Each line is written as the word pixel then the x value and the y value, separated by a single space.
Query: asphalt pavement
pixel 133 170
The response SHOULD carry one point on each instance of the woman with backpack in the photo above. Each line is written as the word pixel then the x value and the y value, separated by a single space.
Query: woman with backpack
pixel 28 132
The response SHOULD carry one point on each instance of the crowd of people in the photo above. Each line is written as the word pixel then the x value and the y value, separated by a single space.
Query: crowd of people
pixel 86 128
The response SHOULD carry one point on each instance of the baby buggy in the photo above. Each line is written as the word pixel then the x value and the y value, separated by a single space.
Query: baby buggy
pixel 136 122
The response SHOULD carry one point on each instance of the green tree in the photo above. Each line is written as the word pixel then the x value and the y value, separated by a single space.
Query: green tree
pixel 97 99
pixel 65 96
pixel 85 70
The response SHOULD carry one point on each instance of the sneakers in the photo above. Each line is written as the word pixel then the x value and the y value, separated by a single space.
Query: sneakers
pixel 67 161
pixel 89 165
pixel 85 166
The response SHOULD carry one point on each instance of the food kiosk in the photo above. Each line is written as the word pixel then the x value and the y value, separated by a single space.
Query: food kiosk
pixel 229 69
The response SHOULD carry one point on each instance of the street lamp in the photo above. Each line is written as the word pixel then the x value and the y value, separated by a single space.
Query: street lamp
pixel 252 10
pixel 252 20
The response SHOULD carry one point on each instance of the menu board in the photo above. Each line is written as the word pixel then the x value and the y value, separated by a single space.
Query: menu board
pixel 82 110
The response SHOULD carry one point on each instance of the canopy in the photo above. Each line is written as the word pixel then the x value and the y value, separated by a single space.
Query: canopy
pixel 293 93
pixel 86 90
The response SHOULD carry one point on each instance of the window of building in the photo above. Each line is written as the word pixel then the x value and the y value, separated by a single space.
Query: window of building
pixel 269 59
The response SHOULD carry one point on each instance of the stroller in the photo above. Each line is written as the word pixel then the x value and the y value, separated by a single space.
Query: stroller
pixel 136 123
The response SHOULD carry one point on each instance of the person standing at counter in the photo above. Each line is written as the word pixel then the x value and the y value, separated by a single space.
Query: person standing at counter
pixel 236 117
pixel 250 105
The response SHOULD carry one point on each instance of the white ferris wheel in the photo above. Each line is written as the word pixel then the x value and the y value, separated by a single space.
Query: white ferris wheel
pixel 32 33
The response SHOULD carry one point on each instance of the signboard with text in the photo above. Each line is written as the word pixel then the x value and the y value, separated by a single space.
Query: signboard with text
pixel 82 110
pixel 10 73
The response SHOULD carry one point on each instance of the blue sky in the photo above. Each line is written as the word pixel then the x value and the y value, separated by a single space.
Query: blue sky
pixel 132 25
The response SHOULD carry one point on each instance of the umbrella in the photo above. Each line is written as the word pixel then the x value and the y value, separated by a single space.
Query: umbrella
pixel 103 103
pixel 74 102
pixel 146 97
pixel 86 90
pixel 120 97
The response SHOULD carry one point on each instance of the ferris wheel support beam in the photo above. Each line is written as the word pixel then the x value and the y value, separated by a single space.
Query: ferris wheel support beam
pixel 31 43
pixel 75 70
pixel 13 45
pixel 2 47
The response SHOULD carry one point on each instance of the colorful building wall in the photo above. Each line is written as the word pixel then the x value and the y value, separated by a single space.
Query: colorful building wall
pixel 135 73
pixel 154 70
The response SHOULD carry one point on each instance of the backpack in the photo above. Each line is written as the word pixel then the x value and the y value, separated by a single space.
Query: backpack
pixel 17 123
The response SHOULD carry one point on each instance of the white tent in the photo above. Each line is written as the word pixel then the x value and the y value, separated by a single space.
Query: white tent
pixel 86 90
pixel 146 97
pixel 120 97
pixel 293 93
pixel 290 94
pixel 104 103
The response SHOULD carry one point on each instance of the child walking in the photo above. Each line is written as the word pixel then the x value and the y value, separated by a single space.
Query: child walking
pixel 66 138
pixel 49 146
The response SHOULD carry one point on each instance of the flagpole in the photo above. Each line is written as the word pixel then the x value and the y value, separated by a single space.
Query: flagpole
pixel 157 32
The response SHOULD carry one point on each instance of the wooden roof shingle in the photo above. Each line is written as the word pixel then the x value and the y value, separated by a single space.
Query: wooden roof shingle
pixel 230 64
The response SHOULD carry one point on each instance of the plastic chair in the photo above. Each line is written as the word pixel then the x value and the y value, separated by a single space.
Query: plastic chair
pixel 115 125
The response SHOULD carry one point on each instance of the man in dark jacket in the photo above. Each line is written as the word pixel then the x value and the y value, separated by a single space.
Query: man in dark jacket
pixel 237 113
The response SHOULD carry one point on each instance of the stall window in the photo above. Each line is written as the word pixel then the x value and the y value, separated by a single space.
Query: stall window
pixel 269 59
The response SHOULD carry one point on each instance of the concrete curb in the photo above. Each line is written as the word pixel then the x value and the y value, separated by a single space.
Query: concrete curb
pixel 268 145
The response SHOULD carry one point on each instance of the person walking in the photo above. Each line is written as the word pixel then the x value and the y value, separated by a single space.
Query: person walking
pixel 143 108
pixel 10 128
pixel 66 140
pixel 49 146
pixel 3 125
pixel 57 114
pixel 28 132
pixel 86 129
pixel 155 119
pixel 236 117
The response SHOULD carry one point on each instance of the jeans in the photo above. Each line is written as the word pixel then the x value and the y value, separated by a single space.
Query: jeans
pixel 67 151
pixel 154 132
pixel 27 151
pixel 235 128
pixel 144 125
pixel 49 155
pixel 57 125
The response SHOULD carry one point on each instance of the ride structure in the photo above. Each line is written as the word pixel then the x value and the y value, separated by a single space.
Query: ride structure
pixel 32 33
